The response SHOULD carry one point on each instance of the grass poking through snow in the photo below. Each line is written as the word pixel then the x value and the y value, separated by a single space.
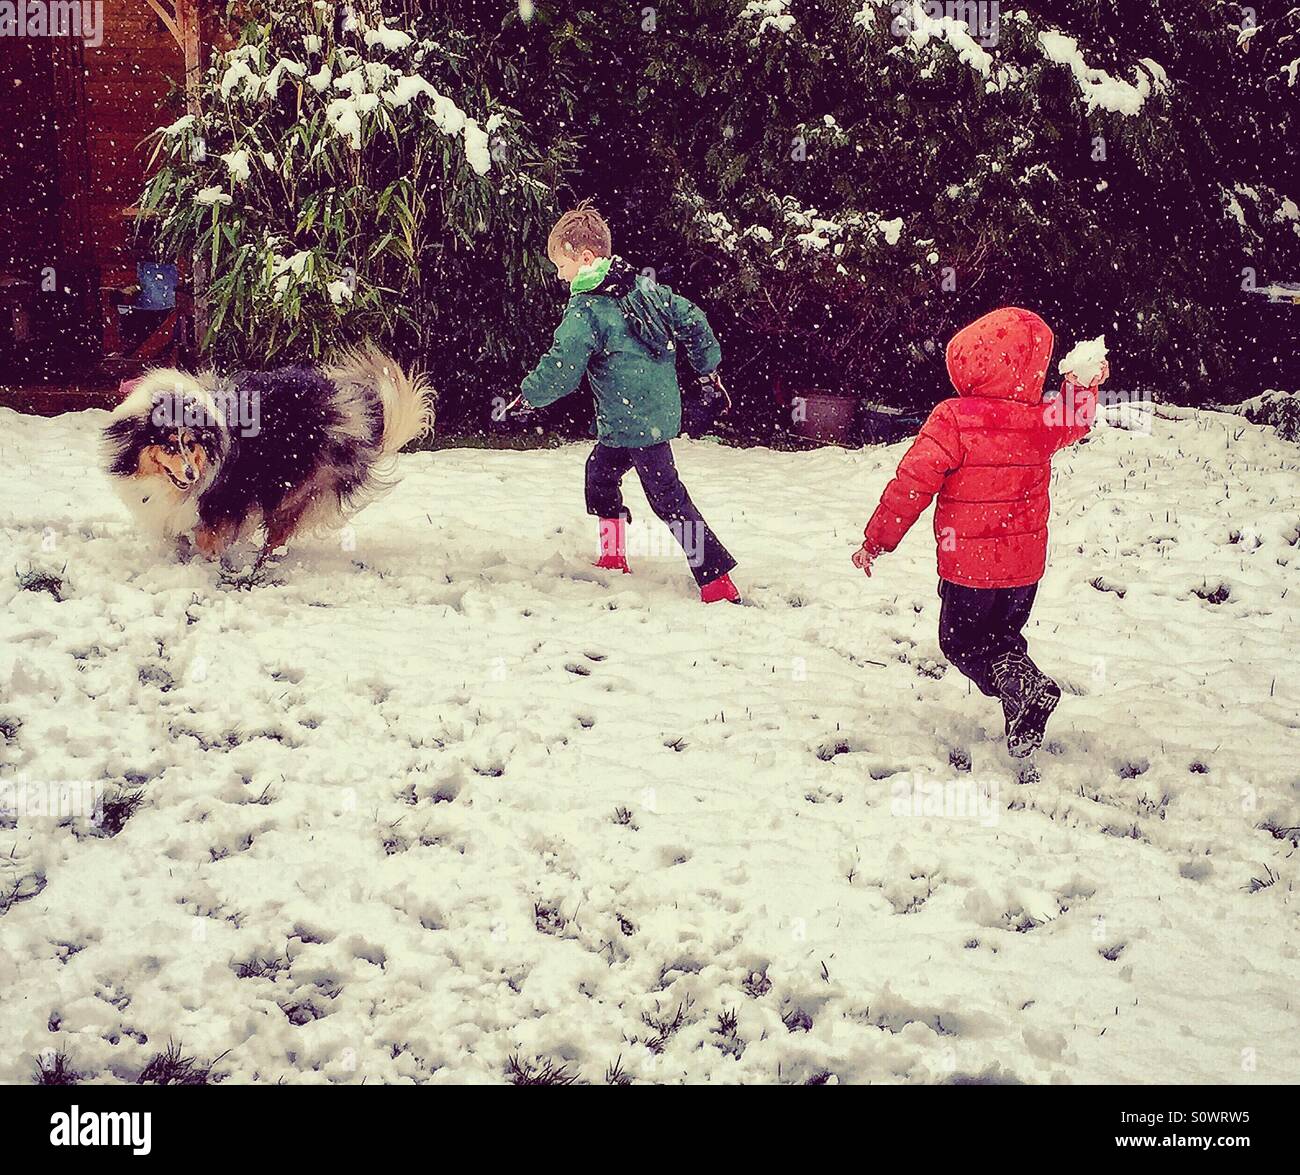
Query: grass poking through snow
pixel 172 1068
pixel 56 1069
pixel 542 1072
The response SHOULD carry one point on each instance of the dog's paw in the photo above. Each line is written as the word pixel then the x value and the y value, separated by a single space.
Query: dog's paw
pixel 206 540
pixel 212 540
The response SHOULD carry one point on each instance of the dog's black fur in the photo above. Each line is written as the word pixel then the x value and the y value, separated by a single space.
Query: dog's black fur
pixel 301 430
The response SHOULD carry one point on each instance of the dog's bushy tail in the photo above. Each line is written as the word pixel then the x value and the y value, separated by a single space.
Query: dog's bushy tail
pixel 407 398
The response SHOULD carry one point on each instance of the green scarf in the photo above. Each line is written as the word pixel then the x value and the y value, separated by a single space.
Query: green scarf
pixel 590 276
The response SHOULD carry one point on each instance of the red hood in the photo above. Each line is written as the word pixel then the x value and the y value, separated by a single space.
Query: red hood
pixel 1004 355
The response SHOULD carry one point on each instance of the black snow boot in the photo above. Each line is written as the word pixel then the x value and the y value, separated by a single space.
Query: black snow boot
pixel 1026 733
pixel 1028 698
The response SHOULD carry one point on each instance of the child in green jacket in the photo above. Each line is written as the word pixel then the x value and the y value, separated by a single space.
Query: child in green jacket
pixel 624 331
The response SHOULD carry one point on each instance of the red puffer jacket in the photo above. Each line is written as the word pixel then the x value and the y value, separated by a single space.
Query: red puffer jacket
pixel 988 455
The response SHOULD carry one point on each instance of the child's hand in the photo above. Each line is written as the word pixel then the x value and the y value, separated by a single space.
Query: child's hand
pixel 1102 377
pixel 519 408
pixel 865 556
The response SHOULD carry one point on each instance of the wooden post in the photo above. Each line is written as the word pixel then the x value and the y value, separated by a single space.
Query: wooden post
pixel 187 27
pixel 190 37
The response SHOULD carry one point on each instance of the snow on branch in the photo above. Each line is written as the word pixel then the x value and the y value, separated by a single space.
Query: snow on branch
pixel 355 86
pixel 1101 90
pixel 924 27
pixel 970 31
pixel 773 14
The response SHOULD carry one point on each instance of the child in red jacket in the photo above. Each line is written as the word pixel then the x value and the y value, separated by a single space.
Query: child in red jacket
pixel 987 454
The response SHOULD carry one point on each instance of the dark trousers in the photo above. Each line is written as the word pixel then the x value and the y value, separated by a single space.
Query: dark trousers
pixel 978 626
pixel 606 467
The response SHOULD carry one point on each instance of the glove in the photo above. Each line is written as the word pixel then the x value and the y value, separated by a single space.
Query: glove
pixel 866 555
pixel 713 391
pixel 518 409
pixel 703 404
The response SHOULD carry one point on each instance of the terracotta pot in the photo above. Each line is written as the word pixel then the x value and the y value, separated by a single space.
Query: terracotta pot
pixel 824 416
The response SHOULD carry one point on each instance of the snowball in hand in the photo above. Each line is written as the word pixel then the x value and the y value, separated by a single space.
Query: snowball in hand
pixel 1086 360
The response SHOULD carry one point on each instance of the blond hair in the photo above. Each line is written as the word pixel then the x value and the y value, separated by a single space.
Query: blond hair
pixel 581 228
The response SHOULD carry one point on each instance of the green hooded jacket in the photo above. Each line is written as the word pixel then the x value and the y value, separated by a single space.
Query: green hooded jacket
pixel 625 332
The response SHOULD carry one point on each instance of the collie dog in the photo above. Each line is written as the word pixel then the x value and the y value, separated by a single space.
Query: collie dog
pixel 290 450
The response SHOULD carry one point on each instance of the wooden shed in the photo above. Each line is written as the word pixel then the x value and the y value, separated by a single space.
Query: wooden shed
pixel 75 106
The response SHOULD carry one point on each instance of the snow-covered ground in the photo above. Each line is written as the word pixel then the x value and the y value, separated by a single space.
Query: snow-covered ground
pixel 444 795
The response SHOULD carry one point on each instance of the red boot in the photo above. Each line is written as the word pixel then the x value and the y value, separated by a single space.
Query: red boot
pixel 613 546
pixel 720 589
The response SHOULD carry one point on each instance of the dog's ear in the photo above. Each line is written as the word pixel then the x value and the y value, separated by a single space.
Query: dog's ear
pixel 161 409
pixel 122 441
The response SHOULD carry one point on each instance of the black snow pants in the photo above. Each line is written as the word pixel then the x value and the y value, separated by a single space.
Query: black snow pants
pixel 978 627
pixel 707 557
